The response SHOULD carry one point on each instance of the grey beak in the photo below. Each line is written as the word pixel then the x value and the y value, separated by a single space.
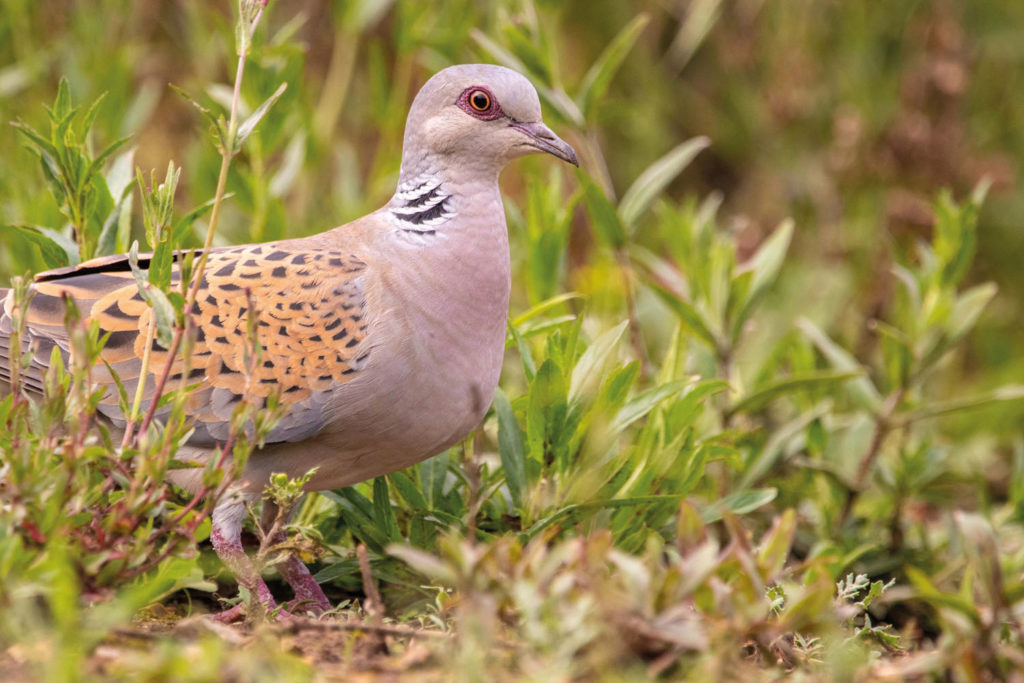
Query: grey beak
pixel 544 139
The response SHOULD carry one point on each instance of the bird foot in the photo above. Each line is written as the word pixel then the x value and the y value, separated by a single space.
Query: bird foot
pixel 309 596
pixel 231 614
pixel 303 608
pixel 240 611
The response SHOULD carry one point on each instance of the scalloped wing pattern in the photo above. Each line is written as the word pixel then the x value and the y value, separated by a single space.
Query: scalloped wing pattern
pixel 311 321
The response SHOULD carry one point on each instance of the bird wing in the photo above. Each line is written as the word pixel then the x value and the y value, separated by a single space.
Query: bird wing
pixel 311 322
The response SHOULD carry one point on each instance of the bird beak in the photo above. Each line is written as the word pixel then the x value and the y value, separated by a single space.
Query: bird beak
pixel 542 137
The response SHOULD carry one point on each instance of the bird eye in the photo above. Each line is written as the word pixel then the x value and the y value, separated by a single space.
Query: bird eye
pixel 479 100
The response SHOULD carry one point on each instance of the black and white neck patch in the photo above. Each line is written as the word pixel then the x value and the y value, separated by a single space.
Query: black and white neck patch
pixel 421 206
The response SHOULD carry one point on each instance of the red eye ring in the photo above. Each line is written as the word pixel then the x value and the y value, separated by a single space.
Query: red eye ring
pixel 480 103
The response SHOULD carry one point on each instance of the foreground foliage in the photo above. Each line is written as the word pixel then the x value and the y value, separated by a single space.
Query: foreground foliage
pixel 694 467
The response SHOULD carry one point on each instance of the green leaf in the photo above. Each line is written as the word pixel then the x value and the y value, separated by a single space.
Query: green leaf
pixel 544 307
pixel 656 178
pixel 687 313
pixel 546 413
pixel 107 243
pixel 929 593
pixel 861 389
pixel 955 237
pixel 526 48
pixel 357 511
pixel 42 144
pixel 120 180
pixel 425 563
pixel 54 255
pixel 562 103
pixel 62 105
pixel 184 224
pixel 595 83
pixel 764 265
pixel 968 308
pixel 545 326
pixel 408 490
pixel 96 164
pixel 291 166
pixel 604 217
pixel 1009 392
pixel 510 448
pixel 433 472
pixel 90 116
pixel 161 265
pixel 573 510
pixel 776 544
pixel 163 311
pixel 644 402
pixel 529 366
pixel 776 445
pixel 614 391
pixel 586 376
pixel 358 17
pixel 215 121
pixel 739 503
pixel 249 125
pixel 818 379
pixel 701 16
pixel 502 55
pixel 383 513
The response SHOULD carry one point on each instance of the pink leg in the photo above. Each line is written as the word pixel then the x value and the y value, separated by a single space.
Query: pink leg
pixel 226 537
pixel 309 597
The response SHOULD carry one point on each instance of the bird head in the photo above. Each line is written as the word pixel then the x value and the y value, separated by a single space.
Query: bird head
pixel 479 116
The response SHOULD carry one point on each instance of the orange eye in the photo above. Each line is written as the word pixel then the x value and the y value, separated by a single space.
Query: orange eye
pixel 479 100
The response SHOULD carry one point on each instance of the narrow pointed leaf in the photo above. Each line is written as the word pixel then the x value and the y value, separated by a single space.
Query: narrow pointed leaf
pixel 687 313
pixel 604 217
pixel 764 267
pixel 587 373
pixel 383 514
pixel 53 254
pixel 599 76
pixel 408 490
pixel 510 448
pixel 656 178
pixel 249 125
pixel 644 402
pixel 1010 392
pixel 738 503
pixel 794 383
pixel 860 389
pixel 544 307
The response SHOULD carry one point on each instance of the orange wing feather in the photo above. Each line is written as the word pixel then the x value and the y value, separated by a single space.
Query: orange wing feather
pixel 311 323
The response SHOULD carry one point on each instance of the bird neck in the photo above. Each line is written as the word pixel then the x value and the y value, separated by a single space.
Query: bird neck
pixel 432 195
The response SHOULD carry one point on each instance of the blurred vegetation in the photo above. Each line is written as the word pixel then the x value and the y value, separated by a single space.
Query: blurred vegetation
pixel 761 408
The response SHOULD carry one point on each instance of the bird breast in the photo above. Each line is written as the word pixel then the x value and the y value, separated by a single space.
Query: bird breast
pixel 436 342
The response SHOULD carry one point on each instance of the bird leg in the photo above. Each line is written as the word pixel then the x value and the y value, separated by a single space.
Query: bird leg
pixel 226 537
pixel 309 596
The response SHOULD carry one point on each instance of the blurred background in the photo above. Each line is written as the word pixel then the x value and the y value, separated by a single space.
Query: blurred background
pixel 846 115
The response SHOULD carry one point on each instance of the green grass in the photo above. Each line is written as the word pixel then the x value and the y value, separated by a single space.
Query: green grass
pixel 761 406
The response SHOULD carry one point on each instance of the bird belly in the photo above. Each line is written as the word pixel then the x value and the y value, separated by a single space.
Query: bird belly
pixel 418 395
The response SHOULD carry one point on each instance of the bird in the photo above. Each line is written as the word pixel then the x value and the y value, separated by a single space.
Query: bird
pixel 382 339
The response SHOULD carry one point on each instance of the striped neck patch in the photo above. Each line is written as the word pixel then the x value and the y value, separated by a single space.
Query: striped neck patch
pixel 420 206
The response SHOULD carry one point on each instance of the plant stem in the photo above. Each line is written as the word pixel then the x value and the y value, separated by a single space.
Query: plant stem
pixel 883 425
pixel 635 335
pixel 141 386
pixel 227 154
